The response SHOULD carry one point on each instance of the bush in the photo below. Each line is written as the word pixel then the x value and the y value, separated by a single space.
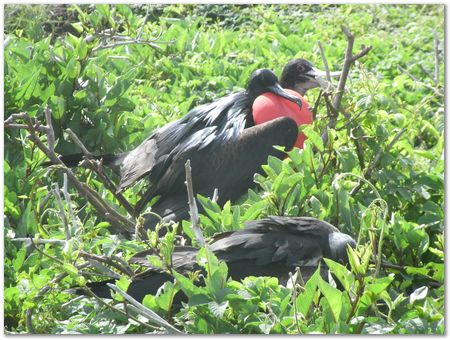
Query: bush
pixel 379 177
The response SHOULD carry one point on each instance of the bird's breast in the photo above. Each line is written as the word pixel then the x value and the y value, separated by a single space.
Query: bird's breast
pixel 269 106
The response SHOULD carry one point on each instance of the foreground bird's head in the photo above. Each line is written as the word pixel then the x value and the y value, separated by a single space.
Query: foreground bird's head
pixel 300 75
pixel 264 80
pixel 338 243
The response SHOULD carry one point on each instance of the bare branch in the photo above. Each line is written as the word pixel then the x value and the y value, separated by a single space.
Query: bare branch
pixel 105 270
pixel 123 43
pixel 94 165
pixel 62 213
pixel 316 105
pixel 349 59
pixel 69 203
pixel 324 59
pixel 78 142
pixel 100 205
pixel 15 126
pixel 436 59
pixel 49 130
pixel 435 90
pixel 139 33
pixel 89 292
pixel 29 241
pixel 123 267
pixel 362 53
pixel 215 195
pixel 193 210
pixel 148 313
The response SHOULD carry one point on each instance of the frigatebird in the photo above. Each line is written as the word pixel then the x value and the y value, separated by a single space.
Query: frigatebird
pixel 221 140
pixel 272 246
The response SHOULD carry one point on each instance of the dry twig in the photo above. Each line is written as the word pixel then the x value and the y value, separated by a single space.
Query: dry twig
pixel 193 210
pixel 325 62
pixel 120 265
pixel 90 163
pixel 350 58
pixel 148 313
pixel 33 126
pixel 436 59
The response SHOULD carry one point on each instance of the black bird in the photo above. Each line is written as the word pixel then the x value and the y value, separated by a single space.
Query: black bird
pixel 225 147
pixel 272 246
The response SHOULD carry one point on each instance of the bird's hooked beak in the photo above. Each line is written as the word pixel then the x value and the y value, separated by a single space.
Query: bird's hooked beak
pixel 279 91
pixel 320 77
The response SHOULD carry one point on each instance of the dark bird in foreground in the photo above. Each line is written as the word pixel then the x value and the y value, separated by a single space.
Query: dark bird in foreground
pixel 221 140
pixel 272 246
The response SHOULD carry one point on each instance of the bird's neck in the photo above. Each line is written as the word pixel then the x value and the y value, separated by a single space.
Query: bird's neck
pixel 301 89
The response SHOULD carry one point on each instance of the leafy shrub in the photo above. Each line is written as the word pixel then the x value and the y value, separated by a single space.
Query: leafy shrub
pixel 114 95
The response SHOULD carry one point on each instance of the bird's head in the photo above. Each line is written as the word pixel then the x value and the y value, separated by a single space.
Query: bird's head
pixel 300 75
pixel 264 80
pixel 338 246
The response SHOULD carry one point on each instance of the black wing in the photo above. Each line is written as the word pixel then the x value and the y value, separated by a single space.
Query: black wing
pixel 217 122
pixel 266 243
pixel 229 167
pixel 300 225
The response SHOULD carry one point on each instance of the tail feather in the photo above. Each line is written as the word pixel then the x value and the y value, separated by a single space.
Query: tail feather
pixel 75 159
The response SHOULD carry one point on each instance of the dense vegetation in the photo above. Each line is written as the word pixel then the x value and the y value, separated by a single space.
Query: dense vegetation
pixel 379 177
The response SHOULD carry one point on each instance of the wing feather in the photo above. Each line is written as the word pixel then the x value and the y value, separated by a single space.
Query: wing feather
pixel 214 123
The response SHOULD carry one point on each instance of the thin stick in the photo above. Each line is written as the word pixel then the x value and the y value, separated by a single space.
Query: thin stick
pixel 69 203
pixel 123 43
pixel 215 195
pixel 148 313
pixel 349 59
pixel 50 132
pixel 429 87
pixel 100 205
pixel 324 60
pixel 78 142
pixel 193 210
pixel 15 126
pixel 436 59
pixel 316 105
pixel 62 213
pixel 105 270
pixel 29 241
pixel 127 315
pixel 294 302
pixel 96 167
pixel 139 33
pixel 124 268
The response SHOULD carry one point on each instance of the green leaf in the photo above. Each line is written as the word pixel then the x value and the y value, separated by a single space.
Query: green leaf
pixel 334 298
pixel 19 259
pixel 187 285
pixel 345 277
pixel 313 136
pixel 419 294
pixel 305 299
pixel 354 261
pixel 70 269
pixel 218 309
pixel 58 106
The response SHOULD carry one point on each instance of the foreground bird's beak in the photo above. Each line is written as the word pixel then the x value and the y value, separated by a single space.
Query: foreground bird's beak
pixel 321 77
pixel 279 91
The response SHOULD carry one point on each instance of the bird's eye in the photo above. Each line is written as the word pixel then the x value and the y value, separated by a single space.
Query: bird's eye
pixel 300 68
